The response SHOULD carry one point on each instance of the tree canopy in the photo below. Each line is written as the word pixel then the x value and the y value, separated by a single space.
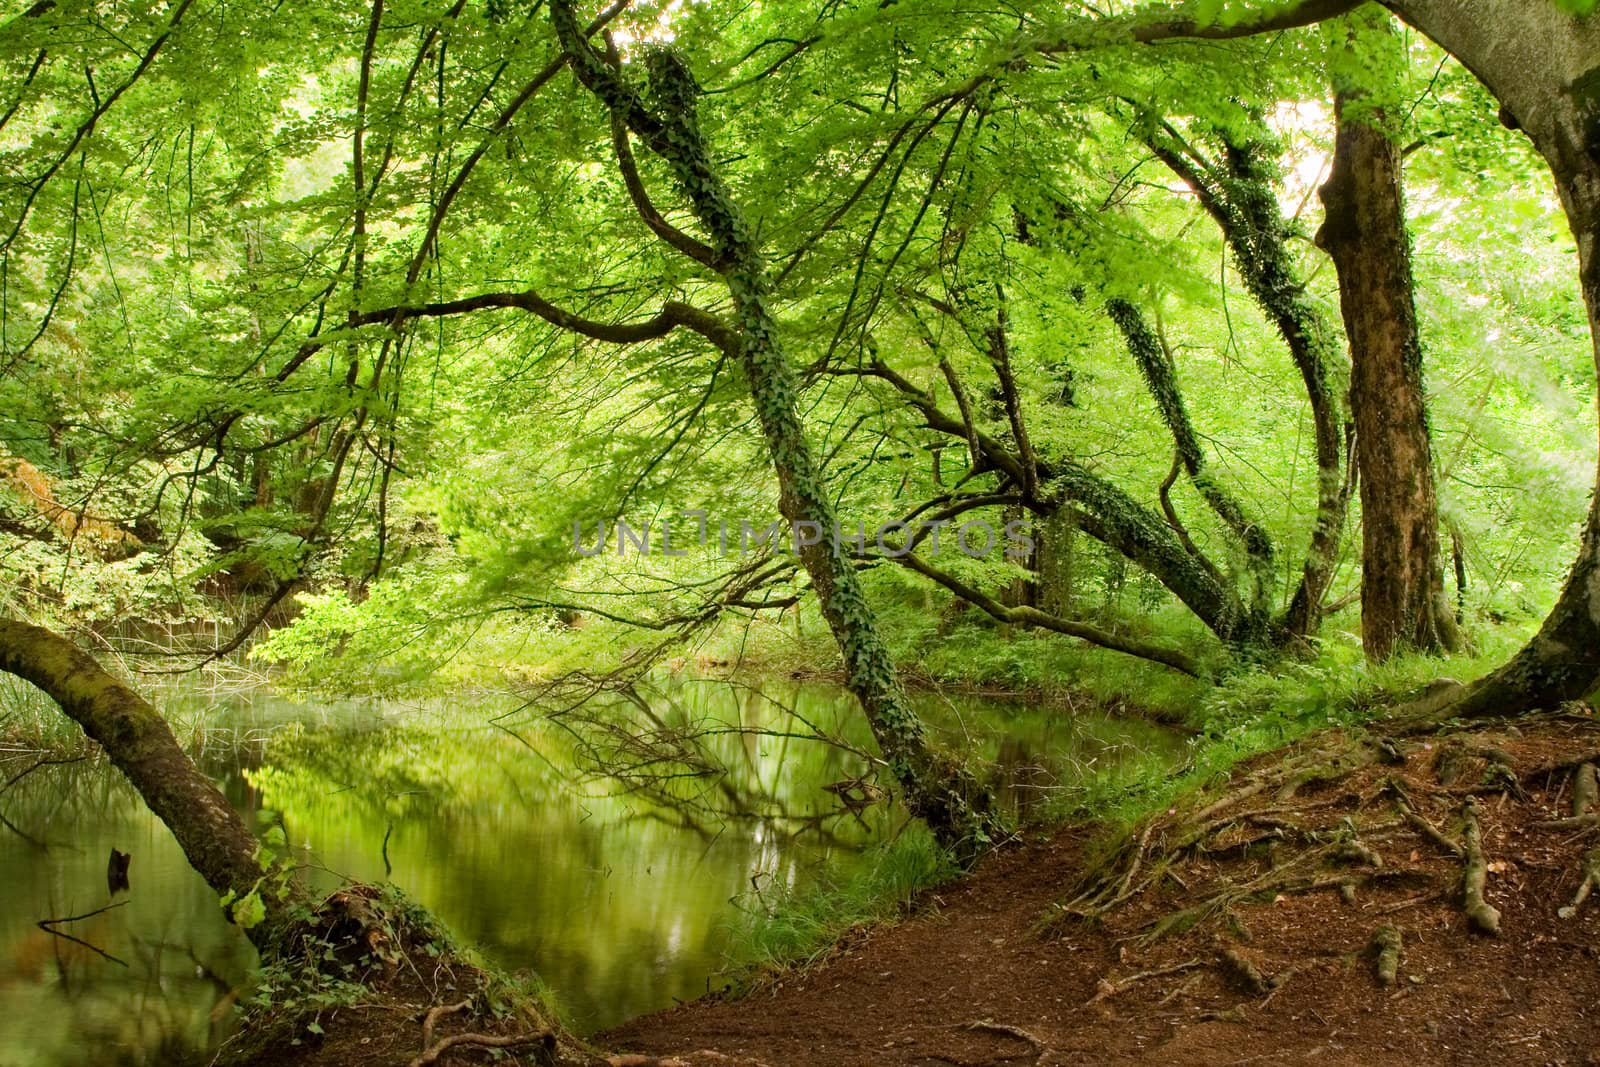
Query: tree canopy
pixel 385 316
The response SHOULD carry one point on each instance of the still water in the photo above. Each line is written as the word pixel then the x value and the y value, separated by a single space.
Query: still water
pixel 619 891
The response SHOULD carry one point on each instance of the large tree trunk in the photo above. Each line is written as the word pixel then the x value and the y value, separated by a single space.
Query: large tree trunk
pixel 1055 551
pixel 141 745
pixel 1402 584
pixel 936 789
pixel 1544 67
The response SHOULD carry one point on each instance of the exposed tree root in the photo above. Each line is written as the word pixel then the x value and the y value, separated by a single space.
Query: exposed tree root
pixel 1426 828
pixel 1122 888
pixel 1591 879
pixel 437 1013
pixel 1374 832
pixel 986 1027
pixel 1356 852
pixel 1585 793
pixel 1545 770
pixel 1109 987
pixel 432 1053
pixel 1386 947
pixel 1585 789
pixel 1245 972
pixel 1412 902
pixel 1480 913
pixel 702 1058
pixel 1457 759
pixel 1238 796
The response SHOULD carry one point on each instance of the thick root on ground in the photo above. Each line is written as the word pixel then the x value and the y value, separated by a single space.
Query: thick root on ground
pixel 1244 971
pixel 1475 873
pixel 1386 945
pixel 432 1050
pixel 1591 879
pixel 1585 788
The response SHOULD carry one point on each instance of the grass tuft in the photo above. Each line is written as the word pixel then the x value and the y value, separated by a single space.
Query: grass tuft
pixel 794 929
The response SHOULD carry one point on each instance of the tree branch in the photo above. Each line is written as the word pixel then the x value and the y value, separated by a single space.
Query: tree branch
pixel 696 250
pixel 1174 24
pixel 1033 617
pixel 673 314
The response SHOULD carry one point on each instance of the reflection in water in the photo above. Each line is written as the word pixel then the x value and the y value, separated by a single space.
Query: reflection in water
pixel 60 1002
pixel 616 890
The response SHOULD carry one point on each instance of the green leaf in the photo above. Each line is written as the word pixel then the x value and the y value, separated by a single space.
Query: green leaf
pixel 249 912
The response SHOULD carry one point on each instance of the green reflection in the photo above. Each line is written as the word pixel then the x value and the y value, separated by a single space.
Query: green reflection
pixel 61 1003
pixel 618 891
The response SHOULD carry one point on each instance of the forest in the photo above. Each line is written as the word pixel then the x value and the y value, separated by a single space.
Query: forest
pixel 917 531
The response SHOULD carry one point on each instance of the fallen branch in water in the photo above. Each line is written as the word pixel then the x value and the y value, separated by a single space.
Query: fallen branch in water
pixel 49 927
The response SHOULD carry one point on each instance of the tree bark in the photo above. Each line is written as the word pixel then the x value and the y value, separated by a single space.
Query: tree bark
pixel 936 789
pixel 141 745
pixel 1055 550
pixel 1403 604
pixel 1543 65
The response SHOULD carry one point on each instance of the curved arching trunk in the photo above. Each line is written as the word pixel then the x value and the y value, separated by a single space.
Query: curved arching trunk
pixel 142 746
pixel 1237 192
pixel 937 789
pixel 1543 65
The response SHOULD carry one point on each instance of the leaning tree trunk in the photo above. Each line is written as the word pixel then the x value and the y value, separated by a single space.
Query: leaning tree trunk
pixel 1543 66
pixel 936 789
pixel 1239 194
pixel 141 745
pixel 1402 583
pixel 1161 378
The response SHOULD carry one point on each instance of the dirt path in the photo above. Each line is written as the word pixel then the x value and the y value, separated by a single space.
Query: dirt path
pixel 1278 966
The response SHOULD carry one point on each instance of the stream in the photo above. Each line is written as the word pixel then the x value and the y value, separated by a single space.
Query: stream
pixel 621 892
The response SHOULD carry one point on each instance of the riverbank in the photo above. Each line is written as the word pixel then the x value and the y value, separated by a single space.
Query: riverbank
pixel 1201 834
pixel 1245 924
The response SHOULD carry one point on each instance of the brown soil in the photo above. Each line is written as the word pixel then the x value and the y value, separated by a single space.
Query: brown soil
pixel 1277 967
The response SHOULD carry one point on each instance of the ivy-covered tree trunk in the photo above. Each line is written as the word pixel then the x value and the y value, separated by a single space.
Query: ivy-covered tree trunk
pixel 1403 604
pixel 936 789
pixel 141 745
pixel 1024 590
pixel 1239 194
pixel 1055 539
pixel 1161 377
pixel 1543 65
pixel 1261 250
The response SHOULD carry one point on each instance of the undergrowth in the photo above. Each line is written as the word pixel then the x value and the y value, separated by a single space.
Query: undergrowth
pixel 296 997
pixel 788 929
pixel 1254 712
